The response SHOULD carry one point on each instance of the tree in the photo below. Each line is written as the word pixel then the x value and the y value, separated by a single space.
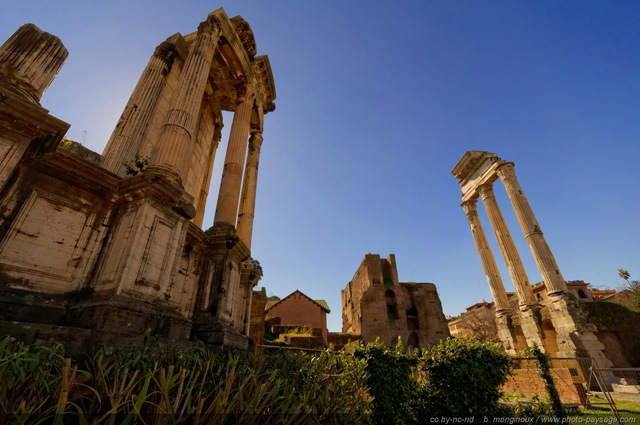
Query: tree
pixel 624 274
pixel 480 322
pixel 632 289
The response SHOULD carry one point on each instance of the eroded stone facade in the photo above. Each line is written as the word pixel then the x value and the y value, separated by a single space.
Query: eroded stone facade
pixel 376 305
pixel 112 245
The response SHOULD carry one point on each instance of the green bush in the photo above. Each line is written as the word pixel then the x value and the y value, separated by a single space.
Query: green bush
pixel 389 377
pixel 461 378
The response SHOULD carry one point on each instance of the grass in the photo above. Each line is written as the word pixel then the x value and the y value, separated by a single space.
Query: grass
pixel 626 409
pixel 540 407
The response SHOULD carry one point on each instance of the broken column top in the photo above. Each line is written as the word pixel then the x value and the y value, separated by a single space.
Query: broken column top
pixel 29 61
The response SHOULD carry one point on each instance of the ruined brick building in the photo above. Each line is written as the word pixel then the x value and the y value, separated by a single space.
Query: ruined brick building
pixel 100 248
pixel 376 305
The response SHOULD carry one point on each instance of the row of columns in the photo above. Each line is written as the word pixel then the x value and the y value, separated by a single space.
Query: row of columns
pixel 177 134
pixel 545 261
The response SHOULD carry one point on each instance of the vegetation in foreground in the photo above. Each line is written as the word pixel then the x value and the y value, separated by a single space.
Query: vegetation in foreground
pixel 459 378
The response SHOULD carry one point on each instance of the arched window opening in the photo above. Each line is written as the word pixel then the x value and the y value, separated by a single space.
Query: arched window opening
pixel 581 294
pixel 392 306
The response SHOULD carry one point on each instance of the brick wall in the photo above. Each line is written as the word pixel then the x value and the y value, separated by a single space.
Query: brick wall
pixel 527 382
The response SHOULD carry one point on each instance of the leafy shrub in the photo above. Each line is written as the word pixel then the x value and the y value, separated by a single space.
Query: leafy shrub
pixel 389 377
pixel 461 378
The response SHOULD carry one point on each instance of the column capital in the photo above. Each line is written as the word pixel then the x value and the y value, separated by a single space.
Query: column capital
pixel 470 206
pixel 506 170
pixel 167 52
pixel 255 140
pixel 209 25
pixel 245 92
pixel 486 191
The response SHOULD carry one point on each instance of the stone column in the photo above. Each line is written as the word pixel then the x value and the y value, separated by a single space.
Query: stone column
pixel 173 151
pixel 486 256
pixel 29 61
pixel 248 198
pixel 201 202
pixel 507 246
pixel 125 141
pixel 545 261
pixel 229 194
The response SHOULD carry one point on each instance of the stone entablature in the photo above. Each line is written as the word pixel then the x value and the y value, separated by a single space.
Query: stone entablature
pixel 376 305
pixel 113 244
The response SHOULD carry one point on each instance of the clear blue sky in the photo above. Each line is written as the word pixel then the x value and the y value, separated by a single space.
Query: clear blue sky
pixel 377 101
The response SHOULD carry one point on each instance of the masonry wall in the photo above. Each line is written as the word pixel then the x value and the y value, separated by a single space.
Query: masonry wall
pixel 258 315
pixel 618 330
pixel 376 305
pixel 527 382
pixel 298 310
pixel 55 219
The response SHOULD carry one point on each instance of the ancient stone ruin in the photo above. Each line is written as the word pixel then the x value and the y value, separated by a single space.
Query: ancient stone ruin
pixel 105 248
pixel 375 304
pixel 560 328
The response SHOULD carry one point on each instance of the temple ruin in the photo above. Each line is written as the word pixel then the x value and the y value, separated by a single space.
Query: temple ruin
pixel 375 304
pixel 99 249
pixel 560 327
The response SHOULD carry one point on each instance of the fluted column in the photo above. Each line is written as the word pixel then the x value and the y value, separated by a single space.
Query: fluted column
pixel 507 246
pixel 486 257
pixel 545 261
pixel 174 146
pixel 29 61
pixel 248 198
pixel 124 143
pixel 231 181
pixel 204 191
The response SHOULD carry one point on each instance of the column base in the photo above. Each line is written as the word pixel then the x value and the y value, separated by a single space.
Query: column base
pixel 505 330
pixel 531 323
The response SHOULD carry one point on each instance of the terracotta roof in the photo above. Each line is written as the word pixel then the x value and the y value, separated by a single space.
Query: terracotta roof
pixel 602 294
pixel 321 303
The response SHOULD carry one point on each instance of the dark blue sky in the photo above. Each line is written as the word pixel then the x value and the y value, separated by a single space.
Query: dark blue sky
pixel 377 101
